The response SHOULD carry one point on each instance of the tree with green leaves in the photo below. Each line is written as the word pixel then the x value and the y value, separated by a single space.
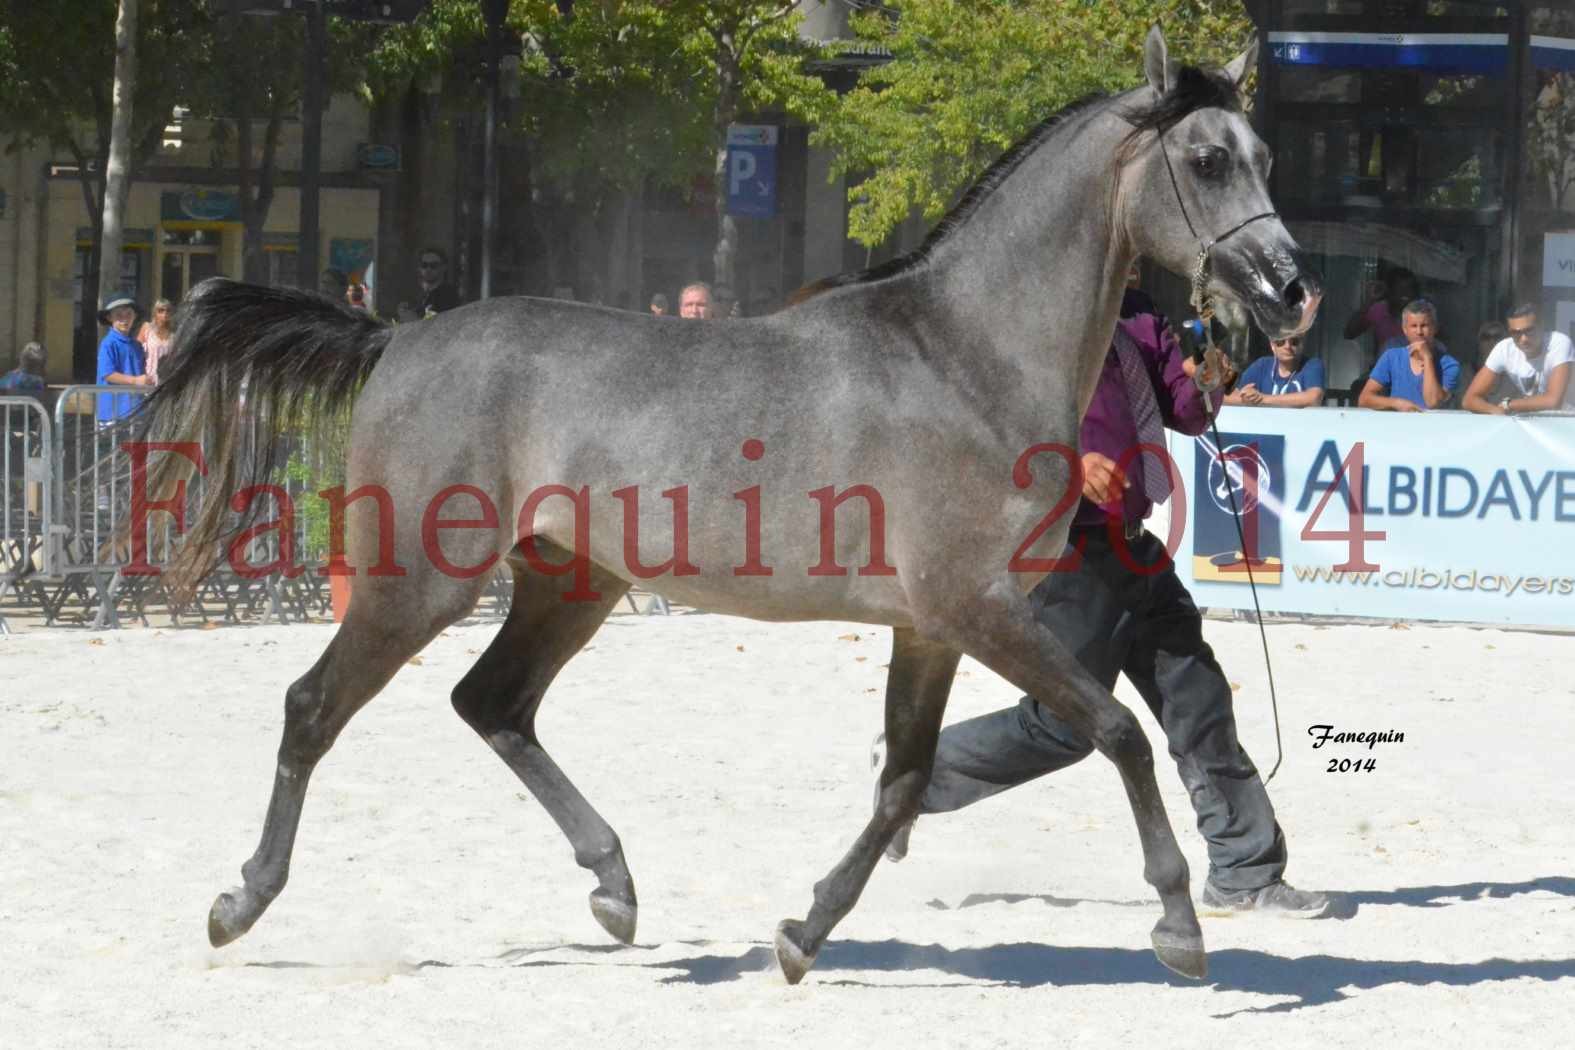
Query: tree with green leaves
pixel 622 93
pixel 753 60
pixel 969 78
pixel 56 87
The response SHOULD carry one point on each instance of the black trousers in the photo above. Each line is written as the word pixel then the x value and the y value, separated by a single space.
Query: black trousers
pixel 1117 621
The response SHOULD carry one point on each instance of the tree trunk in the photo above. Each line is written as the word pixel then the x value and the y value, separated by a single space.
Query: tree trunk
pixel 256 205
pixel 117 175
pixel 724 257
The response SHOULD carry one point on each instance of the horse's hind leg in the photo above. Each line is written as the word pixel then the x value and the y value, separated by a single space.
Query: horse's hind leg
pixel 1002 634
pixel 917 686
pixel 379 634
pixel 499 699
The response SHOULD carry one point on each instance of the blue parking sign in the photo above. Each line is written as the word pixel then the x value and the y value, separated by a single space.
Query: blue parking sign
pixel 752 170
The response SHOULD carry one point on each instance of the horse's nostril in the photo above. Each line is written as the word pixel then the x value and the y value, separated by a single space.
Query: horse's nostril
pixel 1294 293
pixel 1302 288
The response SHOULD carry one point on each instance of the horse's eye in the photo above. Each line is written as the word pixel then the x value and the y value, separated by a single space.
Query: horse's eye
pixel 1209 162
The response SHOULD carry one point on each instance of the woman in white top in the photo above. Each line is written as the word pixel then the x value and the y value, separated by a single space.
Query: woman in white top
pixel 1535 363
pixel 157 335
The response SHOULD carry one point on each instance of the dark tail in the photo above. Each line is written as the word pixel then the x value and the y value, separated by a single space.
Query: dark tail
pixel 296 358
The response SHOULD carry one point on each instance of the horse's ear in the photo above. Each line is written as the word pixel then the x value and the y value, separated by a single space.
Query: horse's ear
pixel 1243 64
pixel 1156 62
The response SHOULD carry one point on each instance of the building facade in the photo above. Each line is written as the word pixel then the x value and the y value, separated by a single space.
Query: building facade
pixel 182 224
pixel 1434 136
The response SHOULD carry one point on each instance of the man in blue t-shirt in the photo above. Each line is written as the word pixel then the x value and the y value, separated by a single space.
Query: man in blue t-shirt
pixel 1285 379
pixel 121 361
pixel 1416 373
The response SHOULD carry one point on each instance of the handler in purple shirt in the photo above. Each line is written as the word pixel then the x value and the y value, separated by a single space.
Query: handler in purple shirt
pixel 1141 624
pixel 1111 425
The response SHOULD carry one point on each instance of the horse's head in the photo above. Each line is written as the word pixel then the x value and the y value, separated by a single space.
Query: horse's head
pixel 1196 178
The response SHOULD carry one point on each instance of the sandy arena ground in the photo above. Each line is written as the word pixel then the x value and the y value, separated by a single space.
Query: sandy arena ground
pixel 433 904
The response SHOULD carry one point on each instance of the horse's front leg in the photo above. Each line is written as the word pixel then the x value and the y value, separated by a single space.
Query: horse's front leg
pixel 996 627
pixel 917 686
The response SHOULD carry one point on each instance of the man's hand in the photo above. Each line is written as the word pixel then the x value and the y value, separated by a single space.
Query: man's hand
pixel 1103 481
pixel 1250 394
pixel 1216 370
pixel 1422 351
pixel 1402 405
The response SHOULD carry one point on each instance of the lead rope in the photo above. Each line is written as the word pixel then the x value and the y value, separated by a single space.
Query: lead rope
pixel 1204 305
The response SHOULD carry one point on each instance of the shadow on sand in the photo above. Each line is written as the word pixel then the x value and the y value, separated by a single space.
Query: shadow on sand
pixel 1313 980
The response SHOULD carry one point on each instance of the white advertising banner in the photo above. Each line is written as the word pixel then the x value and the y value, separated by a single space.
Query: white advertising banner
pixel 1348 512
pixel 1558 260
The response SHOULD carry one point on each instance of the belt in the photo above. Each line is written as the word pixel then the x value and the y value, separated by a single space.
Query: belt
pixel 1130 530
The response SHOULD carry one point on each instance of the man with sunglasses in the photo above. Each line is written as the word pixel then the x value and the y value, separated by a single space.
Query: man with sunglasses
pixel 1284 379
pixel 1534 362
pixel 437 295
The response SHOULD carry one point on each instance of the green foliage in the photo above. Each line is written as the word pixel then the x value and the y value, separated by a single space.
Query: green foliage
pixel 971 77
pixel 622 92
pixel 613 96
pixel 1550 137
pixel 57 68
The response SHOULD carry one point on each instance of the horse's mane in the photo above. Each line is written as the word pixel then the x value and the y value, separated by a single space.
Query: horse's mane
pixel 1194 89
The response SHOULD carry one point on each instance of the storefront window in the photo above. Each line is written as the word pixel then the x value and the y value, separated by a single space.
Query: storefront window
pixel 187 257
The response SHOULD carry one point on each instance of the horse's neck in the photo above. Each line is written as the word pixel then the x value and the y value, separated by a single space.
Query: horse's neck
pixel 1038 270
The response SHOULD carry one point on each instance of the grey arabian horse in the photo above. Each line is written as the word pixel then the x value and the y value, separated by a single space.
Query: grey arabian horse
pixel 928 388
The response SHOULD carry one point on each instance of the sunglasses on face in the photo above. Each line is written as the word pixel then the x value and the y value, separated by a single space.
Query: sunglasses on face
pixel 1285 342
pixel 1523 333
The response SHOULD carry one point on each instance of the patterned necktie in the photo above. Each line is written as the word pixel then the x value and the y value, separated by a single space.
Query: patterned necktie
pixel 1145 414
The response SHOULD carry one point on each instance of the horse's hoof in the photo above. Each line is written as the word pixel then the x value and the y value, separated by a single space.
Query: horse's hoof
pixel 791 956
pixel 232 914
pixel 1182 953
pixel 616 916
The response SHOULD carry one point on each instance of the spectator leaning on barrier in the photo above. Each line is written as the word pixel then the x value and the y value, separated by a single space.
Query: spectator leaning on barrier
pixel 28 376
pixel 121 359
pixel 659 305
pixel 1416 373
pixel 1536 365
pixel 1284 379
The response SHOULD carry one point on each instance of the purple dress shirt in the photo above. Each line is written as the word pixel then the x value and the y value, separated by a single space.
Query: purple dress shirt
pixel 1109 428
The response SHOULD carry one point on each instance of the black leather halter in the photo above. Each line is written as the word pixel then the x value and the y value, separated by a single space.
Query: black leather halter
pixel 1200 272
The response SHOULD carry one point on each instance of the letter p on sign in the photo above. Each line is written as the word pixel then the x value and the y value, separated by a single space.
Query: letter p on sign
pixel 741 167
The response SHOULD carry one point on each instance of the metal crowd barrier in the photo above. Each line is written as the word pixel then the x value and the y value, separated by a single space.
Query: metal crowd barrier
pixel 27 494
pixel 65 487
